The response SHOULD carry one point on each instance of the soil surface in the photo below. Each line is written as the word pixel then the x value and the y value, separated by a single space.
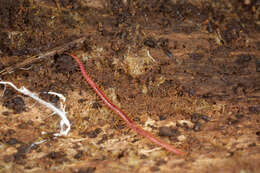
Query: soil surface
pixel 187 71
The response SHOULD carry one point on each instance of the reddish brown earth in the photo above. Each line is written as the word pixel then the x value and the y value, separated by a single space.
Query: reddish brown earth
pixel 187 71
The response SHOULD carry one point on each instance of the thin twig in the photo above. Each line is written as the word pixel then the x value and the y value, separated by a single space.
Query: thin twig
pixel 149 55
pixel 38 58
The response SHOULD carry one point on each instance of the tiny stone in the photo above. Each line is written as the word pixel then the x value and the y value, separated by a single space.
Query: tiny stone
pixel 5 113
pixel 195 117
pixel 96 105
pixel 150 43
pixel 258 133
pixel 82 100
pixel 163 117
pixel 56 155
pixel 10 131
pixel 78 155
pixel 143 156
pixel 160 162
pixel 166 131
pixel 64 64
pixel 16 103
pixel 196 56
pixel 205 118
pixel 12 141
pixel 196 127
pixel 94 133
pixel 86 118
pixel 104 138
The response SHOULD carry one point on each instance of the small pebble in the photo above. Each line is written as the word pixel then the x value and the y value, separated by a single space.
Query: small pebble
pixel 205 118
pixel 196 56
pixel 96 105
pixel 167 131
pixel 56 155
pixel 16 103
pixel 150 42
pixel 78 155
pixel 12 141
pixel 195 117
pixel 196 127
pixel 160 162
pixel 163 117
pixel 5 113
pixel 94 133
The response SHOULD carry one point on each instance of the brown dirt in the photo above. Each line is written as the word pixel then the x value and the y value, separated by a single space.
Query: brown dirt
pixel 188 71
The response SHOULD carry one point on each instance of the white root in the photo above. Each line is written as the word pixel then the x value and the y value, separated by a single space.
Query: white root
pixel 58 95
pixel 148 54
pixel 64 123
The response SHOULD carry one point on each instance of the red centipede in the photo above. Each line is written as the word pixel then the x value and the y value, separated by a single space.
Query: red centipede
pixel 123 115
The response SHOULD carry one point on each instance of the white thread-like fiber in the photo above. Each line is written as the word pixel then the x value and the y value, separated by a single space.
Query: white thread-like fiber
pixel 64 123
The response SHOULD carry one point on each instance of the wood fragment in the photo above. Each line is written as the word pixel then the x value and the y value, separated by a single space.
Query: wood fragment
pixel 40 57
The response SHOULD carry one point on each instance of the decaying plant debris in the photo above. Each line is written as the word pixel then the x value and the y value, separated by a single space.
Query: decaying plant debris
pixel 187 71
